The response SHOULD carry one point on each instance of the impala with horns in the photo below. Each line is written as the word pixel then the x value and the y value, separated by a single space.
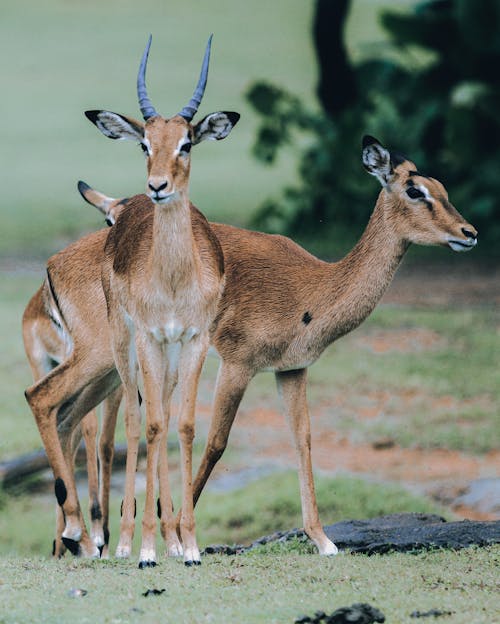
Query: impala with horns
pixel 280 309
pixel 162 280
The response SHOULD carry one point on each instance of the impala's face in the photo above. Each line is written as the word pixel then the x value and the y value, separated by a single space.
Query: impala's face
pixel 167 145
pixel 429 217
pixel 419 205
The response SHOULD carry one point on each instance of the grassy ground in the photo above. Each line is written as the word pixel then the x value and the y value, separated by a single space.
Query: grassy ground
pixel 239 589
pixel 269 504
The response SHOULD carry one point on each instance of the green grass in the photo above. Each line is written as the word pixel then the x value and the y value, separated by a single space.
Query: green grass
pixel 446 396
pixel 252 588
pixel 237 517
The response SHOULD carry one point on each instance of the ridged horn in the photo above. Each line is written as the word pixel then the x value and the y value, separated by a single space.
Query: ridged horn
pixel 189 111
pixel 147 108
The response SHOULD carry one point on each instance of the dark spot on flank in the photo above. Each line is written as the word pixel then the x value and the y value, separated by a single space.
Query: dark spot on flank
pixel 95 511
pixel 60 491
pixel 307 318
pixel 72 546
pixel 158 508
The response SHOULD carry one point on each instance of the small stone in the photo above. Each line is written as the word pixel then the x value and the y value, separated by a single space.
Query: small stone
pixel 153 592
pixel 77 593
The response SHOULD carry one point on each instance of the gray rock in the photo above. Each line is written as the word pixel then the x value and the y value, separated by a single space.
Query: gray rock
pixel 406 532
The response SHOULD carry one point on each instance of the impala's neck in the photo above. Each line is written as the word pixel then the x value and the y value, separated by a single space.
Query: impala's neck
pixel 362 277
pixel 174 257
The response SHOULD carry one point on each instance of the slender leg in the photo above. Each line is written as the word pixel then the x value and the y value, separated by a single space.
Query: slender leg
pixel 46 398
pixel 292 387
pixel 230 387
pixel 193 356
pixel 126 364
pixel 89 432
pixel 106 452
pixel 159 377
pixel 166 512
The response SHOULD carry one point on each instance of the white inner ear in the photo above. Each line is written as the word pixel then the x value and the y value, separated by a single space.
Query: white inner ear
pixel 115 127
pixel 377 161
pixel 214 127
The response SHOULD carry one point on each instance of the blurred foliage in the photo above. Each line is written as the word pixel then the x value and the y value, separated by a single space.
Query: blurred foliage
pixel 444 115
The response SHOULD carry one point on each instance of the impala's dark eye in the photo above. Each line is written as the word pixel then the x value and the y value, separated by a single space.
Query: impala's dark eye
pixel 186 148
pixel 414 193
pixel 144 148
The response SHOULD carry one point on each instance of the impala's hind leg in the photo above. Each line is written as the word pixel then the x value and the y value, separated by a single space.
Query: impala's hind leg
pixel 292 387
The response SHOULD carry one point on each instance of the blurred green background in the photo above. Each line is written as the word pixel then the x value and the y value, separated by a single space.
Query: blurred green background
pixel 62 57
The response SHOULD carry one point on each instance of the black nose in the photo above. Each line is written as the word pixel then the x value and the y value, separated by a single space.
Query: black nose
pixel 158 188
pixel 469 234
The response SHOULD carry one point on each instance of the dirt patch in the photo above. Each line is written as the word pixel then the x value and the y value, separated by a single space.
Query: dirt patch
pixel 444 475
pixel 411 340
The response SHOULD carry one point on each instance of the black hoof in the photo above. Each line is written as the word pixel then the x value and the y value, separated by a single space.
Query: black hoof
pixel 146 564
pixel 72 546
pixel 192 563
pixel 101 548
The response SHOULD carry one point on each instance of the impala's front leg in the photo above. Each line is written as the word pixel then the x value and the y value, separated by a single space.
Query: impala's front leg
pixel 165 508
pixel 158 363
pixel 292 387
pixel 89 432
pixel 232 381
pixel 193 356
pixel 126 364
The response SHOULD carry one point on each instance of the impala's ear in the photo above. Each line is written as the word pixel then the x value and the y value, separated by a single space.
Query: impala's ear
pixel 215 126
pixel 116 126
pixel 377 160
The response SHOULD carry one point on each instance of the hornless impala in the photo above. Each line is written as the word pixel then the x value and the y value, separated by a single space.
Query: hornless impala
pixel 162 279
pixel 280 309
pixel 47 344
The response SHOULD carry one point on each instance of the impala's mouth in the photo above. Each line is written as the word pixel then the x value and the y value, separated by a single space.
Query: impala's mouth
pixel 462 244
pixel 160 198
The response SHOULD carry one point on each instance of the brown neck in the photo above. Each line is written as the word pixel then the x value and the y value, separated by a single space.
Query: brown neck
pixel 362 277
pixel 174 257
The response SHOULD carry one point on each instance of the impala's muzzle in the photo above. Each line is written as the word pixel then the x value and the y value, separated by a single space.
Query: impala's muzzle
pixel 464 244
